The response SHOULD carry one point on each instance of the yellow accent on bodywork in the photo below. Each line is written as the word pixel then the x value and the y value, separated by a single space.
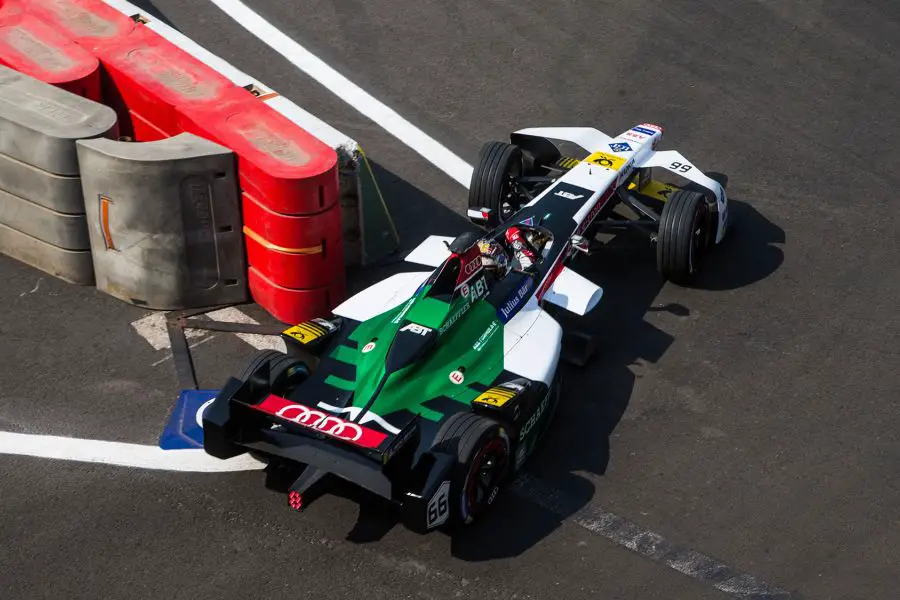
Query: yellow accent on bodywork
pixel 495 396
pixel 655 189
pixel 305 332
pixel 567 162
pixel 608 161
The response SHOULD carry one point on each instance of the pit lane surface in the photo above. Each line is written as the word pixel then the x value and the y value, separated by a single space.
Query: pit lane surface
pixel 752 420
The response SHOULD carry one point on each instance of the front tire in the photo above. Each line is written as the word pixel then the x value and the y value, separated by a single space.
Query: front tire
pixel 482 449
pixel 683 237
pixel 494 182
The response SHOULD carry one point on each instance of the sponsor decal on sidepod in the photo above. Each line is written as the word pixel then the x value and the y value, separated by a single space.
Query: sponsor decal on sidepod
pixel 506 311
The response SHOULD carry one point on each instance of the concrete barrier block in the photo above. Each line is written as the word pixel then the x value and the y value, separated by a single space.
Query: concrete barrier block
pixel 39 123
pixel 66 231
pixel 74 266
pixel 164 221
pixel 61 193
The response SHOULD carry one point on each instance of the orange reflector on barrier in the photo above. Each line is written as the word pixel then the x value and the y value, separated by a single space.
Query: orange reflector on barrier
pixel 104 222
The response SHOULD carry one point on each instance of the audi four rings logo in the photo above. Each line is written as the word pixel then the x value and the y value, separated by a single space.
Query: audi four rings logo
pixel 321 421
pixel 471 266
pixel 315 419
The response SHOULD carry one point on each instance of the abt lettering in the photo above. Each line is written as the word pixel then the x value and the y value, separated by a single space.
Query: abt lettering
pixel 417 329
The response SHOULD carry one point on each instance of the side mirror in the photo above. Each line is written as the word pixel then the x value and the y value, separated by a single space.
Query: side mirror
pixel 580 243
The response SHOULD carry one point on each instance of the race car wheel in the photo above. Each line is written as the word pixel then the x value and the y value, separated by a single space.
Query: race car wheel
pixel 683 236
pixel 495 182
pixel 482 450
pixel 284 371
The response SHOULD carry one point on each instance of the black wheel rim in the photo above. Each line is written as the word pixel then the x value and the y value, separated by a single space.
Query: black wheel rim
pixel 488 469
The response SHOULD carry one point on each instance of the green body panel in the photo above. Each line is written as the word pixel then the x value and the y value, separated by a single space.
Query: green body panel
pixel 470 338
pixel 429 312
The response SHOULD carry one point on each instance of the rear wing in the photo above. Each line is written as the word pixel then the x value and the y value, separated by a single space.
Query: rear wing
pixel 247 413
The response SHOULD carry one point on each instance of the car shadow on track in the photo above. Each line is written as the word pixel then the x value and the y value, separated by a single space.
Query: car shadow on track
pixel 596 395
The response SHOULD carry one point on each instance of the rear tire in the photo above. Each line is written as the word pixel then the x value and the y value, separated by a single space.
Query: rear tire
pixel 493 183
pixel 284 371
pixel 482 449
pixel 683 236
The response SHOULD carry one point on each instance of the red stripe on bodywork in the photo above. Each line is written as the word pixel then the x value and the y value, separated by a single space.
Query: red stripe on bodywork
pixel 321 421
pixel 558 266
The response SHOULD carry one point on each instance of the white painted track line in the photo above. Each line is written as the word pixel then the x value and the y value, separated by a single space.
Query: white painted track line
pixel 122 454
pixel 153 329
pixel 258 341
pixel 348 91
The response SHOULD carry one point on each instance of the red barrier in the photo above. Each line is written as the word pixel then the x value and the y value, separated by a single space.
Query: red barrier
pixel 292 213
pixel 142 130
pixel 285 168
pixel 158 81
pixel 30 46
pixel 87 22
pixel 289 178
pixel 294 306
pixel 294 252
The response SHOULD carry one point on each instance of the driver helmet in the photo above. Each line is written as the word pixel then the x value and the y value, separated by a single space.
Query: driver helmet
pixel 493 256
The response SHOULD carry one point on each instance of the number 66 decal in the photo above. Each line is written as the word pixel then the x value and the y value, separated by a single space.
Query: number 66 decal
pixel 683 167
pixel 438 506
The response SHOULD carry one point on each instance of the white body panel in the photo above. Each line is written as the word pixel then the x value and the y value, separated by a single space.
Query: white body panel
pixel 432 252
pixel 641 141
pixel 625 152
pixel 532 342
pixel 678 164
pixel 587 137
pixel 382 296
pixel 573 292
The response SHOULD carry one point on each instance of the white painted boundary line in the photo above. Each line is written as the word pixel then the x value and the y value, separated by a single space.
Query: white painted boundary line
pixel 122 454
pixel 646 543
pixel 153 329
pixel 258 341
pixel 349 92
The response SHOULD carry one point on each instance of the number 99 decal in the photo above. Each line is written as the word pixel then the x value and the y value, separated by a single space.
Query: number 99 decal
pixel 682 167
pixel 439 507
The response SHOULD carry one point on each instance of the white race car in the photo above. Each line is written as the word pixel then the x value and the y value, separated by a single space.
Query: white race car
pixel 571 179
pixel 432 388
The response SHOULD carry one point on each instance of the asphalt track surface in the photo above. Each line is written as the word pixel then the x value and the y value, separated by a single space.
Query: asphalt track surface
pixel 752 419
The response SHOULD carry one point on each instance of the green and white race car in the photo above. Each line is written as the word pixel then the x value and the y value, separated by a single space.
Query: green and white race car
pixel 431 389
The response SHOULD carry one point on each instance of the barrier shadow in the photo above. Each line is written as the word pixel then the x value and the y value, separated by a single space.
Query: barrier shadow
pixel 416 215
